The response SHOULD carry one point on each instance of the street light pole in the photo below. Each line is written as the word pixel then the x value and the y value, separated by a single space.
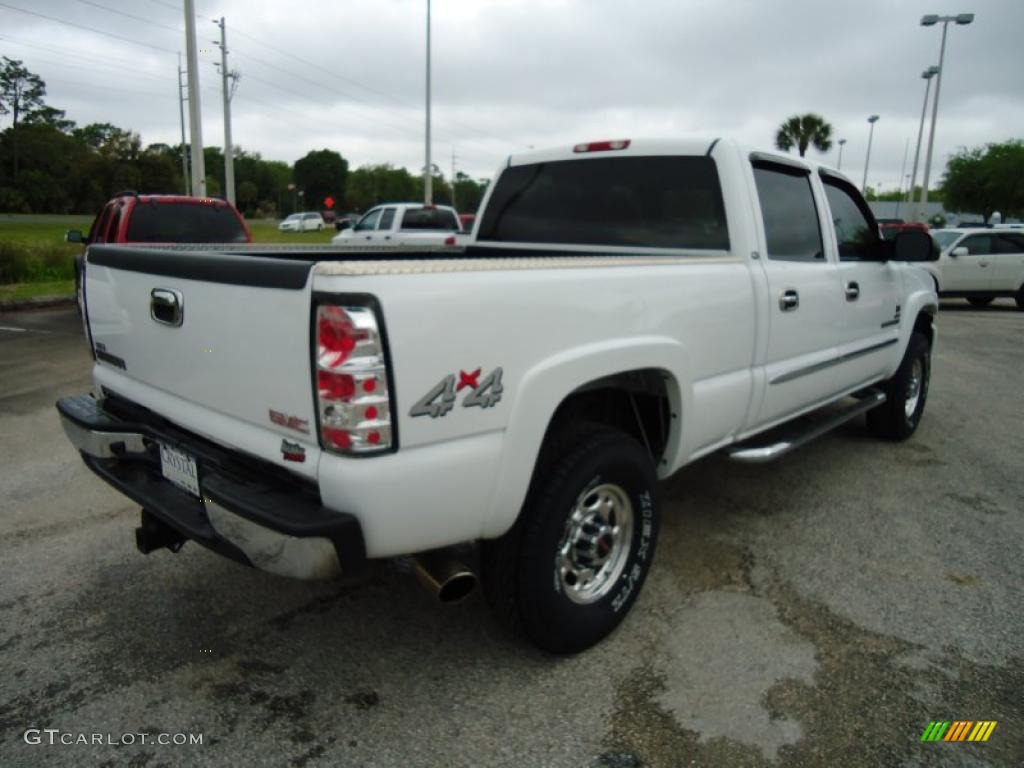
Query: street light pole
pixel 428 178
pixel 867 158
pixel 928 74
pixel 839 165
pixel 929 21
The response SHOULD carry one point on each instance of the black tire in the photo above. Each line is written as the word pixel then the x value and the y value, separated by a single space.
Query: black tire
pixel 1020 298
pixel 890 420
pixel 521 575
pixel 981 301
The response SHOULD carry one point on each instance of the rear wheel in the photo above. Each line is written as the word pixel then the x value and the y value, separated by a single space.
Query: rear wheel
pixel 981 301
pixel 573 564
pixel 897 418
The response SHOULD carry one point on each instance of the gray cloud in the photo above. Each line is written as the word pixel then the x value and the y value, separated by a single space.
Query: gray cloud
pixel 511 74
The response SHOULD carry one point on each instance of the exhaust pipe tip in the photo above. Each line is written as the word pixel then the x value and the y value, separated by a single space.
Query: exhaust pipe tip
pixel 449 580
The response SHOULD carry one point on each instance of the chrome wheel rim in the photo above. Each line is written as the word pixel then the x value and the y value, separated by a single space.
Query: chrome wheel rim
pixel 914 387
pixel 596 543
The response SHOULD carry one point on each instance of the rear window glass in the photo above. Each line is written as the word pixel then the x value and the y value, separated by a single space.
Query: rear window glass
pixel 184 223
pixel 430 218
pixel 647 202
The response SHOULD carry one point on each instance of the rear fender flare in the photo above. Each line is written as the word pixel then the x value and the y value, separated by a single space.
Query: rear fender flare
pixel 548 383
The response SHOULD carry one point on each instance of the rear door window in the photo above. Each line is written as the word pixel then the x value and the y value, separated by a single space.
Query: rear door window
pixel 97 233
pixel 1010 244
pixel 791 225
pixel 646 202
pixel 184 223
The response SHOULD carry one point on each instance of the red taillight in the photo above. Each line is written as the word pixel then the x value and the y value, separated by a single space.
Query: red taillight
pixel 353 398
pixel 450 240
pixel 335 386
pixel 337 337
pixel 601 146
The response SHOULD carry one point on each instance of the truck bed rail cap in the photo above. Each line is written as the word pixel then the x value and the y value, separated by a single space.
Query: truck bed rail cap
pixel 428 266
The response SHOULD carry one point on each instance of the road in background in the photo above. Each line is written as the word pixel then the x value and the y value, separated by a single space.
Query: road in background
pixel 818 611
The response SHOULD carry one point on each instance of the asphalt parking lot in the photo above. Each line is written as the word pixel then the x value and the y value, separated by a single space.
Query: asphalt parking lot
pixel 819 611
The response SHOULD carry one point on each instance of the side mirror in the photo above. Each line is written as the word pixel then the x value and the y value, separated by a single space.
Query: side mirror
pixel 914 245
pixel 74 236
pixel 342 224
pixel 960 251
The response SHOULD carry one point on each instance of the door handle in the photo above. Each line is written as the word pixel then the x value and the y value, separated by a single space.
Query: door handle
pixel 167 306
pixel 852 291
pixel 789 300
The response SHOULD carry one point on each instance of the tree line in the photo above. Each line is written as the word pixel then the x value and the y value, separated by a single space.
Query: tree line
pixel 980 180
pixel 49 164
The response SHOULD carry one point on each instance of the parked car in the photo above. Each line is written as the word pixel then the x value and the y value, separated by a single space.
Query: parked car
pixel 890 227
pixel 403 224
pixel 345 220
pixel 625 308
pixel 129 217
pixel 308 221
pixel 979 264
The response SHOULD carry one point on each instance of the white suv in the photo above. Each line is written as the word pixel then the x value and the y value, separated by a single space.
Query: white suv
pixel 302 222
pixel 979 264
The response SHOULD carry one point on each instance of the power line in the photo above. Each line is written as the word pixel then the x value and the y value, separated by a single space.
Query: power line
pixel 87 29
pixel 130 16
pixel 103 71
pixel 75 55
pixel 357 84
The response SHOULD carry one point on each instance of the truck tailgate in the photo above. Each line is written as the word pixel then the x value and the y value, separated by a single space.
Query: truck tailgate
pixel 226 334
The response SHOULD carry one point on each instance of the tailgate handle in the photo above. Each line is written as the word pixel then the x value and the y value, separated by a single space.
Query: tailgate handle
pixel 167 306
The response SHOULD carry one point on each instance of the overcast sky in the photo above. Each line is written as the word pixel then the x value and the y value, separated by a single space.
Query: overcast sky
pixel 509 74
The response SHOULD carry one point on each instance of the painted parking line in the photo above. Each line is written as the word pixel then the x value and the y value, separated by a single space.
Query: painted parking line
pixel 15 329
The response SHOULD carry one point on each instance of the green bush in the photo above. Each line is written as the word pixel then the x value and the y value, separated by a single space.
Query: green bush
pixel 22 262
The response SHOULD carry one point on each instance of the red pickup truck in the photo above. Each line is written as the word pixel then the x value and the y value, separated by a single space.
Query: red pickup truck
pixel 133 218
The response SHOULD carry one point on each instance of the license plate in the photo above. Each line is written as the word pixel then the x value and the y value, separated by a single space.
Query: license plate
pixel 180 468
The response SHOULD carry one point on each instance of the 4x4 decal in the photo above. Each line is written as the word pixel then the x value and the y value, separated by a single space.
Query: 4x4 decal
pixel 441 398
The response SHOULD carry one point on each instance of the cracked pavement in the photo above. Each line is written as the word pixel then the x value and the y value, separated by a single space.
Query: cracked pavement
pixel 818 611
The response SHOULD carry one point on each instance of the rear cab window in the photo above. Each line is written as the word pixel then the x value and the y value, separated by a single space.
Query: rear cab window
pixel 156 222
pixel 640 202
pixel 429 219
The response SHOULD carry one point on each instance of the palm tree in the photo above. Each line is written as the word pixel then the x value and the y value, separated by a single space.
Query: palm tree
pixel 803 130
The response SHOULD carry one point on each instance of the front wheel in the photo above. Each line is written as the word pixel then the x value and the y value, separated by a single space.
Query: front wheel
pixel 897 418
pixel 573 564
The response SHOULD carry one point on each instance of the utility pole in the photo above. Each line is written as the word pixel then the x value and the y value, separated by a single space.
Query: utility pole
pixel 428 177
pixel 903 167
pixel 867 159
pixel 229 159
pixel 453 179
pixel 194 111
pixel 181 112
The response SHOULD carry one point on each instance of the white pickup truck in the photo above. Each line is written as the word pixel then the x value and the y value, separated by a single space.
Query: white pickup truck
pixel 406 224
pixel 625 308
